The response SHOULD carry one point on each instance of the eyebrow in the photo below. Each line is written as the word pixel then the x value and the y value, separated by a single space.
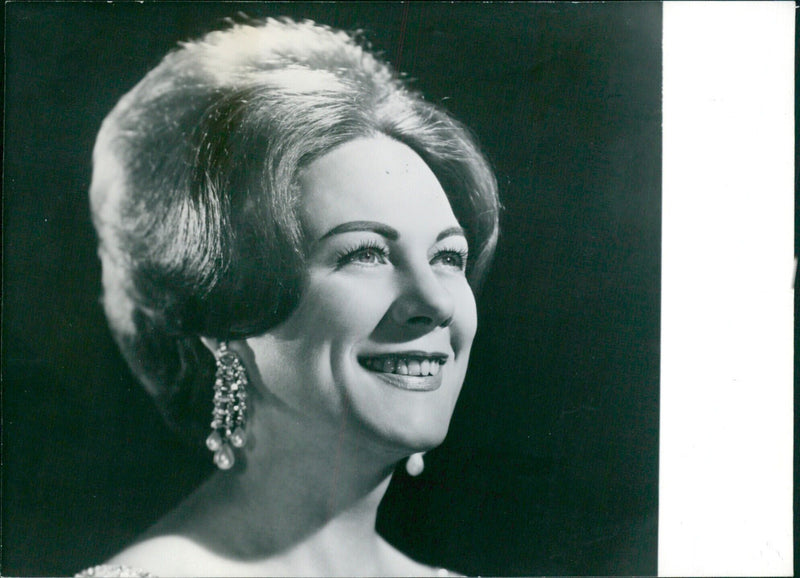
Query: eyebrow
pixel 451 232
pixel 384 230
pixel 371 226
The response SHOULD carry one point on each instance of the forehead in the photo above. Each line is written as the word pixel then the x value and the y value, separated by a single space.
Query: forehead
pixel 373 179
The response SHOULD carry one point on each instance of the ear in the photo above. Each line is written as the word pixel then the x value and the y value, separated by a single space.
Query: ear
pixel 240 347
pixel 211 344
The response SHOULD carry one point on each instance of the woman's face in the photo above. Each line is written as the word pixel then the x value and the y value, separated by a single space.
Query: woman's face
pixel 381 337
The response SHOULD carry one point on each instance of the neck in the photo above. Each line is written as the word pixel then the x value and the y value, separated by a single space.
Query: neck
pixel 295 491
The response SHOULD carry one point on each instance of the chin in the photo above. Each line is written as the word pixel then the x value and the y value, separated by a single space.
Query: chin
pixel 403 415
pixel 419 432
pixel 423 442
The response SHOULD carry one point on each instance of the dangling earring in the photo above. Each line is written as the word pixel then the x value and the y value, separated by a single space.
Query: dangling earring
pixel 230 405
pixel 415 464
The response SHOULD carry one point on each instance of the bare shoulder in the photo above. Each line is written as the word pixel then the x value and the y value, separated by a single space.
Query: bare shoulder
pixel 406 566
pixel 168 555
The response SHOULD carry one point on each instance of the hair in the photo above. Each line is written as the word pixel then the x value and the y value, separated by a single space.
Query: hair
pixel 194 190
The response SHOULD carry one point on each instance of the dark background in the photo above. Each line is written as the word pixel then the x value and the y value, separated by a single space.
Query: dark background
pixel 551 462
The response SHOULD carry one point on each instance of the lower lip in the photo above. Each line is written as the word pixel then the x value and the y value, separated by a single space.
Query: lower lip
pixel 411 382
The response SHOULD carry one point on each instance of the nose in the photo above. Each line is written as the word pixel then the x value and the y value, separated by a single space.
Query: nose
pixel 425 302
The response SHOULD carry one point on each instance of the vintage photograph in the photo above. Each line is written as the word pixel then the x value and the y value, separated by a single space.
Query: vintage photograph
pixel 331 289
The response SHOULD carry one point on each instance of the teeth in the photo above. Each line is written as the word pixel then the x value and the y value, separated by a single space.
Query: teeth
pixel 415 367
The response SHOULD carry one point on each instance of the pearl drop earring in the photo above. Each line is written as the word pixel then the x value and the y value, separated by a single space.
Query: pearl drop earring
pixel 415 464
pixel 230 405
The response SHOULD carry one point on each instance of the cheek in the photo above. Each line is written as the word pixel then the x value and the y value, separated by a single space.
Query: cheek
pixel 335 309
pixel 465 322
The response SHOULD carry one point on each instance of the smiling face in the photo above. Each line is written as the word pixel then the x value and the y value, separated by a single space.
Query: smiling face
pixel 382 334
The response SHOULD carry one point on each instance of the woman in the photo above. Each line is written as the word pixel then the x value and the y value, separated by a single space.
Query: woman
pixel 290 241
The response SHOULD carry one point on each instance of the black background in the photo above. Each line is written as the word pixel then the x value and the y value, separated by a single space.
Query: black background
pixel 551 462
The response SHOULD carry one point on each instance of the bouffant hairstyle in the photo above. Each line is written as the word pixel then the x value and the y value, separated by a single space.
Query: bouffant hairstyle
pixel 194 189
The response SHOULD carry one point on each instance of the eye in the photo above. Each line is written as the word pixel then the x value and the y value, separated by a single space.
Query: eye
pixel 365 254
pixel 451 258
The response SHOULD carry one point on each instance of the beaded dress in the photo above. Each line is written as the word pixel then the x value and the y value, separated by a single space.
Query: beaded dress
pixel 114 571
pixel 119 571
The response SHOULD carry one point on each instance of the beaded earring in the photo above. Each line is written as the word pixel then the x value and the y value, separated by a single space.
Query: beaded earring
pixel 415 464
pixel 230 405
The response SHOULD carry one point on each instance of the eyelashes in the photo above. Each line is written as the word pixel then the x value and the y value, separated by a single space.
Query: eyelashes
pixel 365 253
pixel 455 258
pixel 372 253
